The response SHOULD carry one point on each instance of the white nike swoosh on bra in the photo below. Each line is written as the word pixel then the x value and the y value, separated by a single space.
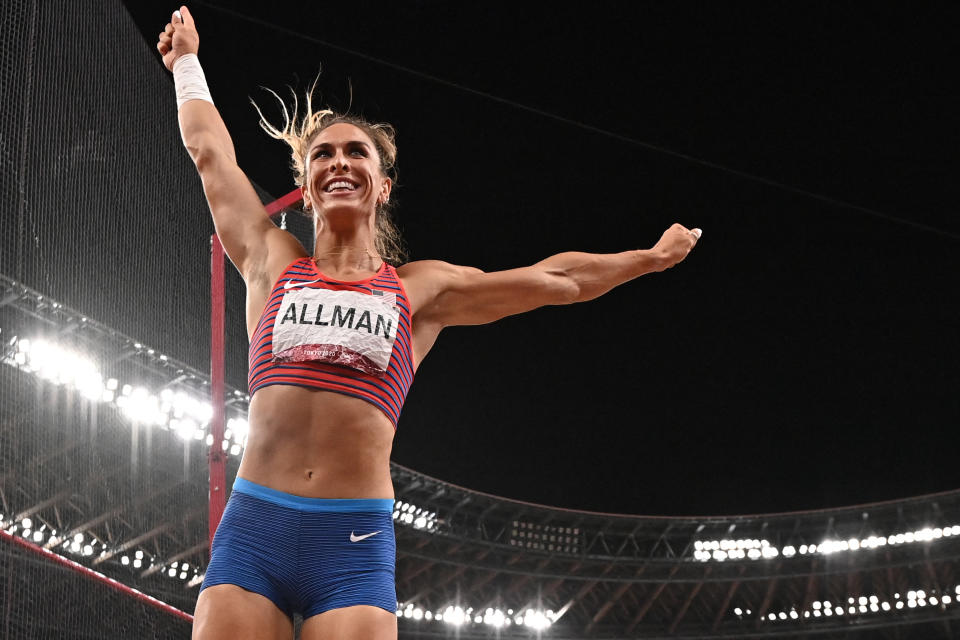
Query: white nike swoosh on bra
pixel 288 284
pixel 356 538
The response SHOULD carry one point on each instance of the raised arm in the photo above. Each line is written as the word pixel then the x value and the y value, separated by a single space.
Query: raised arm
pixel 450 295
pixel 238 215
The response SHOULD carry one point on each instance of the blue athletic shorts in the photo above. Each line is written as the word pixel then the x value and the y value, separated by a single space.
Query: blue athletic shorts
pixel 307 555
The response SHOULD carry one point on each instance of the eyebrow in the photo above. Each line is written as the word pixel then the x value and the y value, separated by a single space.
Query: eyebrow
pixel 351 143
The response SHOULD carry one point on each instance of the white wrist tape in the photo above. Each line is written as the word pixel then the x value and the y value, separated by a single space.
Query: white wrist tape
pixel 189 80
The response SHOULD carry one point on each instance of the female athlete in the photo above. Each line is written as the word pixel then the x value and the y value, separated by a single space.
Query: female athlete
pixel 335 338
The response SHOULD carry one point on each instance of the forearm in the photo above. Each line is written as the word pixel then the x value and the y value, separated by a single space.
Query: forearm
pixel 204 132
pixel 202 129
pixel 591 275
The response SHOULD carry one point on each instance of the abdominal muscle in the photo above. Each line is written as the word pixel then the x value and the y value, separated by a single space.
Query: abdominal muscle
pixel 317 444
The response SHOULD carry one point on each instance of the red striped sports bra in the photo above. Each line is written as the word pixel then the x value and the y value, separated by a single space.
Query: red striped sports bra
pixel 352 338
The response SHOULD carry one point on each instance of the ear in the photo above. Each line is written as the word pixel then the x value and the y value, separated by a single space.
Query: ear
pixel 385 187
pixel 305 193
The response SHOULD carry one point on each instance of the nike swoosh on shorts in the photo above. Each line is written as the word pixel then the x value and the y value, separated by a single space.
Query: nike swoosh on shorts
pixel 356 538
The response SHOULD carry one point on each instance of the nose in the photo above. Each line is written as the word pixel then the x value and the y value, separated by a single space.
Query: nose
pixel 340 163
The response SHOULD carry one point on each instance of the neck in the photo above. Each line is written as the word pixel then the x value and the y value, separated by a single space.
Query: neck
pixel 345 249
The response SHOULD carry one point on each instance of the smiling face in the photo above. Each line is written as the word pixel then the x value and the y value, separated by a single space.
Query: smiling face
pixel 344 172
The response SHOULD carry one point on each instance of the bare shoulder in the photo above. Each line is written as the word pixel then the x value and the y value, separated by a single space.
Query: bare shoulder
pixel 424 280
pixel 432 269
pixel 431 274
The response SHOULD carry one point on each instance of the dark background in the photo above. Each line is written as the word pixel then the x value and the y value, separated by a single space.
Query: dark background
pixel 805 354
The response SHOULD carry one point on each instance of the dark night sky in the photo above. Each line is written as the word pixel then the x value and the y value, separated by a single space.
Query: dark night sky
pixel 804 356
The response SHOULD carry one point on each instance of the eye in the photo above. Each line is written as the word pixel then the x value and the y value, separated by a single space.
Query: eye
pixel 321 153
pixel 359 152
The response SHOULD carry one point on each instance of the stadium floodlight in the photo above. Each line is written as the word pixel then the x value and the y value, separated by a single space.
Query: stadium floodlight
pixel 454 615
pixel 186 428
pixel 536 620
pixel 240 428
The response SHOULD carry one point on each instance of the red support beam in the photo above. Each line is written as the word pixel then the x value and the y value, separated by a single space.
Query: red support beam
pixel 650 600
pixel 722 609
pixel 217 457
pixel 686 603
pixel 768 596
pixel 96 576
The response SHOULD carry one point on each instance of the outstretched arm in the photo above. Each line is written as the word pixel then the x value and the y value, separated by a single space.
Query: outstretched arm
pixel 452 295
pixel 238 215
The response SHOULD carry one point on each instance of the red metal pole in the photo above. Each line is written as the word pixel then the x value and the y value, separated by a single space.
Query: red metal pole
pixel 217 456
pixel 95 575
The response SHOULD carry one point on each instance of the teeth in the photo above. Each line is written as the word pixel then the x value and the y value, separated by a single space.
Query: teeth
pixel 340 184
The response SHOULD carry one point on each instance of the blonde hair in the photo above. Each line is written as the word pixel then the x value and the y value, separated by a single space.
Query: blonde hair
pixel 298 134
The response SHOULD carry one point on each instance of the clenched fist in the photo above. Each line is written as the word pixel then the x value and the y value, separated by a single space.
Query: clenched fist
pixel 179 37
pixel 674 245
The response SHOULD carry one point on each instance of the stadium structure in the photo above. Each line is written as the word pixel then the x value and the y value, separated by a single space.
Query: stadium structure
pixel 106 436
pixel 104 465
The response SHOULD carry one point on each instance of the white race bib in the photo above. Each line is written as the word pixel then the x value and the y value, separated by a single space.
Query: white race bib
pixel 348 328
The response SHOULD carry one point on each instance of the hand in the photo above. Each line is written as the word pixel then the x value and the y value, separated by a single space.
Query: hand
pixel 179 37
pixel 674 245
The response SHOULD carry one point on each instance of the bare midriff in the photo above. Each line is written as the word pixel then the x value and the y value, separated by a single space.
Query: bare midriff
pixel 317 444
